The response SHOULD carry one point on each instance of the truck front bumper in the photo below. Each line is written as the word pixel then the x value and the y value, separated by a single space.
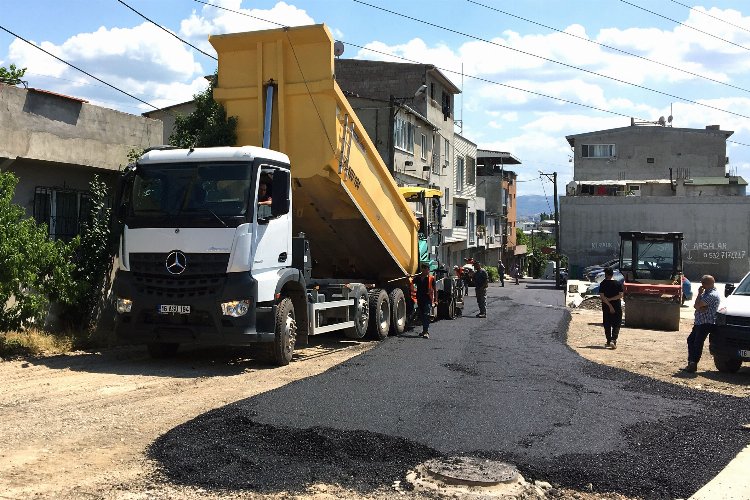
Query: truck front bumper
pixel 204 324
pixel 730 341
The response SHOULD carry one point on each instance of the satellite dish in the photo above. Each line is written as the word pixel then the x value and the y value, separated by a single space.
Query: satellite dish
pixel 338 48
pixel 662 121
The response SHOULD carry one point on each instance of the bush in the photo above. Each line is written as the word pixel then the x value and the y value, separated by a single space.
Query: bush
pixel 33 269
pixel 492 273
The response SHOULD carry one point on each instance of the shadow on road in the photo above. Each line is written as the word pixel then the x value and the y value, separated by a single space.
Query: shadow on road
pixel 190 361
pixel 227 449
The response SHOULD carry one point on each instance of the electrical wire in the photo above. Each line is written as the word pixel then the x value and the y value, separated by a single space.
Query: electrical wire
pixel 167 31
pixel 474 37
pixel 709 15
pixel 241 13
pixel 610 47
pixel 684 25
pixel 546 198
pixel 79 69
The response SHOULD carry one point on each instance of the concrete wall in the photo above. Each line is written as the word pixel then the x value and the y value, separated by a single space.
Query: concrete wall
pixel 42 126
pixel 716 229
pixel 167 117
pixel 689 152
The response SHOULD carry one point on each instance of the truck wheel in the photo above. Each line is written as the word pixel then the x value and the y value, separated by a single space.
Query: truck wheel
pixel 162 350
pixel 727 365
pixel 360 313
pixel 398 311
pixel 380 311
pixel 285 332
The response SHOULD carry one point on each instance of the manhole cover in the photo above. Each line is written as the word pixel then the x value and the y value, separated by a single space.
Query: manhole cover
pixel 471 471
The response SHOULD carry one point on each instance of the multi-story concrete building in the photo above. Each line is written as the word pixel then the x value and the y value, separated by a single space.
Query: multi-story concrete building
pixel 55 144
pixel 497 185
pixel 656 178
pixel 408 111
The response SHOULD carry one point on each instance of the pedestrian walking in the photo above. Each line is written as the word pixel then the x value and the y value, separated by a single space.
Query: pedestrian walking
pixel 501 272
pixel 481 280
pixel 706 304
pixel 425 285
pixel 515 273
pixel 611 293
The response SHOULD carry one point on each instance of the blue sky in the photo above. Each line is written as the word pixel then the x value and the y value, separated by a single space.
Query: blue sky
pixel 521 60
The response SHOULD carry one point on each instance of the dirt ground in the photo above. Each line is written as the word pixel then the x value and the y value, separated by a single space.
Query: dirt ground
pixel 656 354
pixel 78 425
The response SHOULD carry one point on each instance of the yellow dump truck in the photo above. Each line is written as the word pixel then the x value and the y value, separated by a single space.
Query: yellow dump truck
pixel 300 230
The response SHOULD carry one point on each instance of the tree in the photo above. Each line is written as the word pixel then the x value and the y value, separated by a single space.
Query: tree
pixel 207 126
pixel 12 75
pixel 33 269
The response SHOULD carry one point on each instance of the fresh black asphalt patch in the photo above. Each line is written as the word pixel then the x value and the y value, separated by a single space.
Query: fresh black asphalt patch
pixel 505 388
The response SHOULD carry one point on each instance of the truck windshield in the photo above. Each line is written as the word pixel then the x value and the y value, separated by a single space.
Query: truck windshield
pixel 744 287
pixel 655 260
pixel 208 190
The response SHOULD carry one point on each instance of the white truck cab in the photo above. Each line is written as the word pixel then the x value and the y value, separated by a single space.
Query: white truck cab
pixel 729 343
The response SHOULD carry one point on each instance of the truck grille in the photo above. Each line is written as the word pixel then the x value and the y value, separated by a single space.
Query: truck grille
pixel 203 276
pixel 197 318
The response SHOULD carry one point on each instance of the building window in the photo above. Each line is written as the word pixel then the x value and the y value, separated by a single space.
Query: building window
pixel 481 219
pixel 64 211
pixel 446 105
pixel 471 170
pixel 447 152
pixel 598 150
pixel 435 155
pixel 403 135
pixel 459 173
pixel 423 145
pixel 472 229
pixel 460 212
pixel 649 160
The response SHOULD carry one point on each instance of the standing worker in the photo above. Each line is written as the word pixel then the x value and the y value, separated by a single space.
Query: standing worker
pixel 501 272
pixel 425 284
pixel 706 304
pixel 611 293
pixel 481 280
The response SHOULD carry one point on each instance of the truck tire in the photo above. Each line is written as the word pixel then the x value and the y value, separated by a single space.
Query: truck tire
pixel 380 314
pixel 162 350
pixel 285 332
pixel 360 313
pixel 727 365
pixel 398 311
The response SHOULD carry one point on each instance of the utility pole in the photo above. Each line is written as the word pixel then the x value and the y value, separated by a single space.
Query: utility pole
pixel 557 228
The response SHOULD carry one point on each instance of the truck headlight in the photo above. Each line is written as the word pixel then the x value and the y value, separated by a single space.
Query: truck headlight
pixel 235 308
pixel 721 317
pixel 124 305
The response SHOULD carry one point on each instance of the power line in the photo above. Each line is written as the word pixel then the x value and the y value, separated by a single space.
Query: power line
pixel 550 60
pixel 79 69
pixel 240 13
pixel 167 31
pixel 609 46
pixel 684 25
pixel 709 15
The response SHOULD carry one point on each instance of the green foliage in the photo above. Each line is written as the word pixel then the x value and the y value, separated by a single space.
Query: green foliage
pixel 93 260
pixel 134 154
pixel 492 273
pixel 33 269
pixel 207 126
pixel 521 238
pixel 12 75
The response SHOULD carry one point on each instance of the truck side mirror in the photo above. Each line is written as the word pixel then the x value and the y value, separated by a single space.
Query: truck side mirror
pixel 728 289
pixel 281 200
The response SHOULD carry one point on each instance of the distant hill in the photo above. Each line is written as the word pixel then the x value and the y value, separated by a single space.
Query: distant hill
pixel 534 204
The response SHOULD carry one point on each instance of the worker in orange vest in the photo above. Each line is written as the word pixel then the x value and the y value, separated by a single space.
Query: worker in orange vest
pixel 425 291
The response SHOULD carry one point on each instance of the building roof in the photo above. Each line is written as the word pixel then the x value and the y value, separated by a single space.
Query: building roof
pixel 426 68
pixel 709 130
pixel 40 91
pixel 716 181
pixel 488 157
pixel 167 108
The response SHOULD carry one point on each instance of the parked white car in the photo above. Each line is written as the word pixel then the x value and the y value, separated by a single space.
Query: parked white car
pixel 729 342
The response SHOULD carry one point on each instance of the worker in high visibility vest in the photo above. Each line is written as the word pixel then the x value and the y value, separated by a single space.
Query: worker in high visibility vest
pixel 425 287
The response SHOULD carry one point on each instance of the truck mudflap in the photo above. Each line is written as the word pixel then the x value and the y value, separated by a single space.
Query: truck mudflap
pixel 173 310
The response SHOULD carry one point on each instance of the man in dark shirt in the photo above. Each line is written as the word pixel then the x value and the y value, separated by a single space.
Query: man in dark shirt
pixel 610 291
pixel 425 285
pixel 481 280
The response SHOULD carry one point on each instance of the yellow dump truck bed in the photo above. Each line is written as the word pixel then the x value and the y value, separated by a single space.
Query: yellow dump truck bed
pixel 344 198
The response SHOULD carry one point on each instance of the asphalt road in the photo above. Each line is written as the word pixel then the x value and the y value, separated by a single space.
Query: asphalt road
pixel 505 387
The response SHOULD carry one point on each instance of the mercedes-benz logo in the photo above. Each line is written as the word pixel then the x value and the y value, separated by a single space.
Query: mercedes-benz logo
pixel 176 262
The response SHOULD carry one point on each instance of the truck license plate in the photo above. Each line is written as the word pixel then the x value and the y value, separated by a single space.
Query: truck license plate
pixel 744 354
pixel 173 309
